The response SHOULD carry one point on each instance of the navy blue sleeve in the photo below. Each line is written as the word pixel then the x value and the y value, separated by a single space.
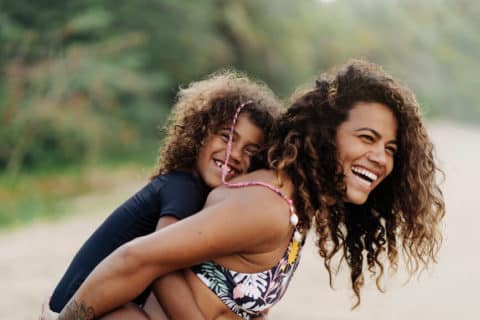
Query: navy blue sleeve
pixel 177 197
pixel 176 194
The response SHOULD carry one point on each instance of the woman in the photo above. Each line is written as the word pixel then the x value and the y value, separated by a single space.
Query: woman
pixel 353 156
pixel 193 154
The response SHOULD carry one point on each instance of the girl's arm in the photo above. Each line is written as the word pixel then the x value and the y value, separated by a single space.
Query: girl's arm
pixel 171 293
pixel 249 218
pixel 131 311
pixel 174 295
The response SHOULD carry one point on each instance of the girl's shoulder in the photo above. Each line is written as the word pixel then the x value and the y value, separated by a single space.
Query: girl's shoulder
pixel 179 180
pixel 176 176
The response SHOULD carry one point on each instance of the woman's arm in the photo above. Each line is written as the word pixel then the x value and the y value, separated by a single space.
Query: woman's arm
pixel 180 305
pixel 172 195
pixel 249 218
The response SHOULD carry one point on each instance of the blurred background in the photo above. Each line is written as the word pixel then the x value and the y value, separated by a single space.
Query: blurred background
pixel 87 83
pixel 85 86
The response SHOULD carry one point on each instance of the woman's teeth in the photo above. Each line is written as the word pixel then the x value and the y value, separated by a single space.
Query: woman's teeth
pixel 365 174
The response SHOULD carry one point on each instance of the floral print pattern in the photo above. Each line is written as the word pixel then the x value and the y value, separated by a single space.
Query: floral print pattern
pixel 248 294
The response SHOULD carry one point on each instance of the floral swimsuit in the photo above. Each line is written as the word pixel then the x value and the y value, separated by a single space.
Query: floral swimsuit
pixel 248 294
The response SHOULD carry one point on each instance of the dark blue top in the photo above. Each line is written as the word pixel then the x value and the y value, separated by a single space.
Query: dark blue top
pixel 177 194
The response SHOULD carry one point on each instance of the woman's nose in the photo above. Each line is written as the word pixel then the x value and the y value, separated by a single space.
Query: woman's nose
pixel 378 155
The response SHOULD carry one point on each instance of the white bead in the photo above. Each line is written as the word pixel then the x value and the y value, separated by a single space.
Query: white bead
pixel 297 236
pixel 294 219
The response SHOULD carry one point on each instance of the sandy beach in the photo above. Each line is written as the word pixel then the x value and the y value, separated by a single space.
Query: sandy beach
pixel 33 258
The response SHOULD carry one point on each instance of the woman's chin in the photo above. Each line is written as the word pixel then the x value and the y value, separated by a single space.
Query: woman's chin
pixel 356 197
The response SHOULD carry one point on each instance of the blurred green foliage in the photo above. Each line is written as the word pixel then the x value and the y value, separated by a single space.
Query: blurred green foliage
pixel 86 80
pixel 55 192
pixel 25 197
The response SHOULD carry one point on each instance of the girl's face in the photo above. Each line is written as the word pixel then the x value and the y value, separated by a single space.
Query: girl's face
pixel 247 139
pixel 366 145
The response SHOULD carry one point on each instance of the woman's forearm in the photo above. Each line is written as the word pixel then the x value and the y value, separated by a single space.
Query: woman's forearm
pixel 115 281
pixel 217 231
pixel 121 277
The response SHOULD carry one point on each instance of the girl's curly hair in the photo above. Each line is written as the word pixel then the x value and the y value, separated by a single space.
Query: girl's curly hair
pixel 404 211
pixel 206 106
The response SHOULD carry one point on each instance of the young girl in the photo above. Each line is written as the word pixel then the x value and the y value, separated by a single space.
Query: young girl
pixel 190 164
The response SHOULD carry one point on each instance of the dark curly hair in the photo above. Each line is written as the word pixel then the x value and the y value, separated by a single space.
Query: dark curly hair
pixel 404 211
pixel 208 105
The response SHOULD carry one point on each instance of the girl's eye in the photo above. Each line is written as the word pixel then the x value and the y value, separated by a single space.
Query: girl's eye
pixel 225 136
pixel 251 152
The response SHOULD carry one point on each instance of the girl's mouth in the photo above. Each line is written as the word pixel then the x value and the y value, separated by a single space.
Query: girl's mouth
pixel 230 170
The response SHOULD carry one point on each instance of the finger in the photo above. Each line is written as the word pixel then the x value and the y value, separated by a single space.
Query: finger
pixel 42 312
pixel 45 309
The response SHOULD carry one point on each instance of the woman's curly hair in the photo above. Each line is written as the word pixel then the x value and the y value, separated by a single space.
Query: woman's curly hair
pixel 404 211
pixel 206 106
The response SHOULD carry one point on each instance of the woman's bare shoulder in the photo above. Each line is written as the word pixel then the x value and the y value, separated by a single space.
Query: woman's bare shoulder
pixel 242 220
pixel 267 206
pixel 224 191
pixel 263 175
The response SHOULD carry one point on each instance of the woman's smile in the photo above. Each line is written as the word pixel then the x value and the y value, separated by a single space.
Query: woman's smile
pixel 366 144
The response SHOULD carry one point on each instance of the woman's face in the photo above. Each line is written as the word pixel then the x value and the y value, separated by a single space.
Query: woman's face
pixel 247 139
pixel 366 144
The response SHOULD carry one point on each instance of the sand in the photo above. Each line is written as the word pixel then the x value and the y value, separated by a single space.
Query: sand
pixel 33 258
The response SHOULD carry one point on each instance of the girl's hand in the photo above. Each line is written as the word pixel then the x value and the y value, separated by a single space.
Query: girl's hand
pixel 47 314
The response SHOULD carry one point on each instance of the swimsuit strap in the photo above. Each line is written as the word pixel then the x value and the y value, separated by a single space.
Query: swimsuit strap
pixel 293 215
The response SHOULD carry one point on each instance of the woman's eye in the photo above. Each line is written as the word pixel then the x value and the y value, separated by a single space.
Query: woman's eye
pixel 391 150
pixel 367 138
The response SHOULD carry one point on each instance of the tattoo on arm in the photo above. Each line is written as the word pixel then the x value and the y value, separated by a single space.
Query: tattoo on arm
pixel 75 311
